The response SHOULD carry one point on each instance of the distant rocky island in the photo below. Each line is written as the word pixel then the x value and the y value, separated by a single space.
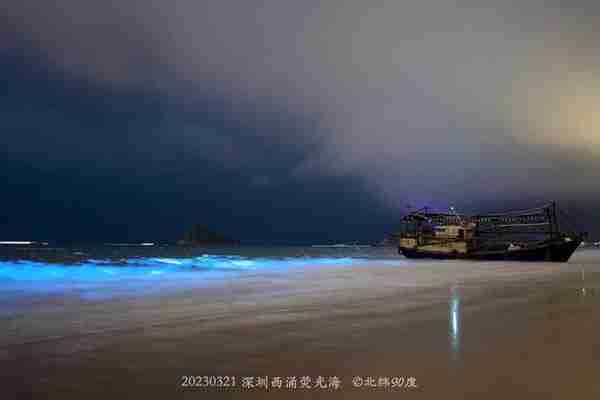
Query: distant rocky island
pixel 202 234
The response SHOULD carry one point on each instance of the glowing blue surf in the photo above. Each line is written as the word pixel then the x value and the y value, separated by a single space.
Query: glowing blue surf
pixel 96 278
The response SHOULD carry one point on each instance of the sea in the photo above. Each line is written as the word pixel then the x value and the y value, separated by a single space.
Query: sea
pixel 130 269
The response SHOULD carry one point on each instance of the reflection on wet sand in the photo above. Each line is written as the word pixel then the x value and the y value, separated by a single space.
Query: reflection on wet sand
pixel 454 319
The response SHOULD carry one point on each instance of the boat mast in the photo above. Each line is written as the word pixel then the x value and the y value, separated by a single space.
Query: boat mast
pixel 555 219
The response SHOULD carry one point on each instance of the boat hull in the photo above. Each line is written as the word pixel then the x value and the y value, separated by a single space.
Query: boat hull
pixel 553 251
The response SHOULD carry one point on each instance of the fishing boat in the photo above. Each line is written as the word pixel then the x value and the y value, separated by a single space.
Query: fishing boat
pixel 526 235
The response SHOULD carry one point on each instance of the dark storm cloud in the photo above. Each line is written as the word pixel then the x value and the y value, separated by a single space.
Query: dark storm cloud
pixel 85 161
pixel 466 102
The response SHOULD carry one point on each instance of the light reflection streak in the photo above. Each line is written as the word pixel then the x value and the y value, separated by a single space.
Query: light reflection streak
pixel 454 321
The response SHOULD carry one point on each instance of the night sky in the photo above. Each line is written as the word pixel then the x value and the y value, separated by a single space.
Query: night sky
pixel 292 121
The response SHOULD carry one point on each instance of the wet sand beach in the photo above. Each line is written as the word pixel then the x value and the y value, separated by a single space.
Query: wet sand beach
pixel 452 329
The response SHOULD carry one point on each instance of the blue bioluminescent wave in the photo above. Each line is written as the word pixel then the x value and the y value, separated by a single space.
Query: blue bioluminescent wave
pixel 139 273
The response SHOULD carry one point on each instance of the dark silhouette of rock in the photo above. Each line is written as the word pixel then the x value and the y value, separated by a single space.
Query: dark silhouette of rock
pixel 202 234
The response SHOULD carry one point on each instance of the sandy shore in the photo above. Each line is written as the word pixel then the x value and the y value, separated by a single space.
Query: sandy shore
pixel 460 329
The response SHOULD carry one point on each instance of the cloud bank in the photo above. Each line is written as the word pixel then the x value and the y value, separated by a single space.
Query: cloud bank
pixel 465 101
